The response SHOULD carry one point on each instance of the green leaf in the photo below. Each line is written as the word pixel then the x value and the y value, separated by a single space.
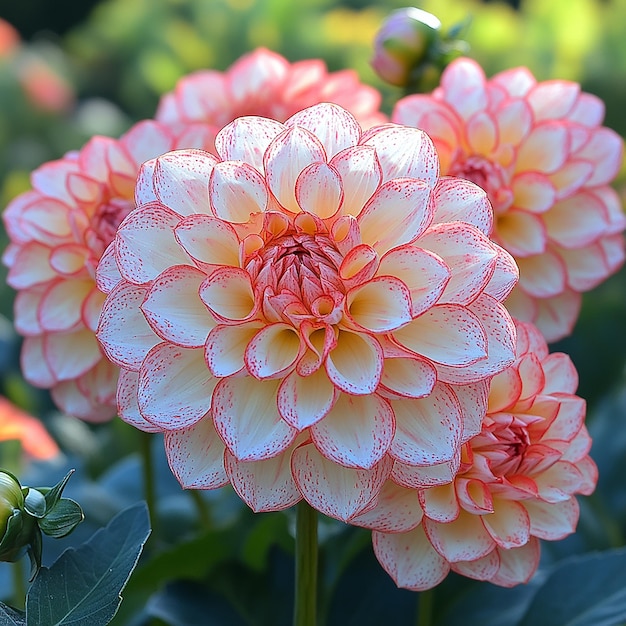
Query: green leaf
pixel 54 494
pixel 35 503
pixel 83 587
pixel 62 519
pixel 583 590
pixel 11 617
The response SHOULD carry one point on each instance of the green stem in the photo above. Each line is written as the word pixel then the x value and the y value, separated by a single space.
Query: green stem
pixel 305 606
pixel 147 462
pixel 202 508
pixel 425 608
pixel 19 588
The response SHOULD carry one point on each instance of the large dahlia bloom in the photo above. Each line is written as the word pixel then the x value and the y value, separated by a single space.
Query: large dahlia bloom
pixel 516 483
pixel 540 152
pixel 59 230
pixel 265 83
pixel 306 307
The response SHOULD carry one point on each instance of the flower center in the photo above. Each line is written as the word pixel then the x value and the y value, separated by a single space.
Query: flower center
pixel 297 275
pixel 488 175
pixel 504 446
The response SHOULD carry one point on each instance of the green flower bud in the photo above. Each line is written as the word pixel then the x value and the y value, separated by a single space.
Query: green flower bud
pixel 11 499
pixel 16 525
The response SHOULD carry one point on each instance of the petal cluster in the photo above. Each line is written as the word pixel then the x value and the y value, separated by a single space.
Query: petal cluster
pixel 541 153
pixel 58 231
pixel 516 483
pixel 309 312
pixel 264 83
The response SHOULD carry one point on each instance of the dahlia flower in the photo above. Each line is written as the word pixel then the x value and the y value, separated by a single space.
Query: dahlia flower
pixel 540 152
pixel 516 483
pixel 303 308
pixel 59 230
pixel 265 83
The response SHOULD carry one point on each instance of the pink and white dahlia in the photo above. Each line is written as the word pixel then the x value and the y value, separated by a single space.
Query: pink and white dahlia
pixel 264 83
pixel 58 231
pixel 545 160
pixel 516 483
pixel 304 308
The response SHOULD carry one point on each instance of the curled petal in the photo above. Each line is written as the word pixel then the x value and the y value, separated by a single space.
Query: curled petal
pixel 461 200
pixel 465 539
pixel 517 565
pixel 318 190
pixel 228 294
pixel 408 377
pixel 509 524
pixel 196 455
pixel 337 491
pixel 226 346
pixel 356 432
pixel 127 402
pixel 421 477
pixel 272 351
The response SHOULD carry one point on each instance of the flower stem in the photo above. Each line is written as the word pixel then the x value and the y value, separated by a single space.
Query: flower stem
pixel 19 588
pixel 204 514
pixel 147 462
pixel 305 606
pixel 425 608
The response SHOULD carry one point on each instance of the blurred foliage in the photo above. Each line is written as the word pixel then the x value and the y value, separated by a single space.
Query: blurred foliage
pixel 237 566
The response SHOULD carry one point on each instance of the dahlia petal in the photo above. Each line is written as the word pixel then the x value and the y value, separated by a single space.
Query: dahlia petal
pixel 108 273
pixel 25 309
pixel 558 482
pixel 397 511
pixel 509 524
pixel 380 305
pixel 31 266
pixel 123 331
pixel 396 214
pixel 522 233
pixel 576 221
pixel 604 150
pixel 552 521
pixel 428 430
pixel 337 491
pixel 356 432
pixel 319 190
pixel 517 82
pixel 173 307
pixel 505 390
pixel 482 133
pixel 335 127
pixel 416 477
pixel 588 110
pixel 305 400
pixel 272 351
pixel 33 363
pixel 147 140
pixel 423 272
pixel 144 186
pixel 71 354
pixel 404 152
pixel 473 399
pixel 571 177
pixel 457 199
pixel 60 305
pixel 408 377
pixel 473 495
pixel 532 375
pixel 553 99
pixel 236 191
pixel 504 278
pixel 247 418
pixel 449 334
pixel 440 503
pixel 196 455
pixel 50 178
pixel 145 244
pixel 484 568
pixel 226 345
pixel 517 565
pixel 466 539
pixel 469 255
pixel 533 192
pixel 568 420
pixel 355 364
pixel 246 139
pixel 533 154
pixel 175 386
pixel 70 259
pixel 210 241
pixel 265 485
pixel 284 160
pixel 358 265
pixel 410 560
pixel 542 275
pixel 560 374
pixel 360 174
pixel 463 86
pixel 514 120
pixel 228 294
pixel 71 399
pixel 127 405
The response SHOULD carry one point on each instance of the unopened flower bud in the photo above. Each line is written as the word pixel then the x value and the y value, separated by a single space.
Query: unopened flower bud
pixel 403 43
pixel 11 499
pixel 16 525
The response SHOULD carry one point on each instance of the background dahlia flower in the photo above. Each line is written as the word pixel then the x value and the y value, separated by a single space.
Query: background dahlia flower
pixel 265 83
pixel 306 310
pixel 58 231
pixel 540 152
pixel 516 483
